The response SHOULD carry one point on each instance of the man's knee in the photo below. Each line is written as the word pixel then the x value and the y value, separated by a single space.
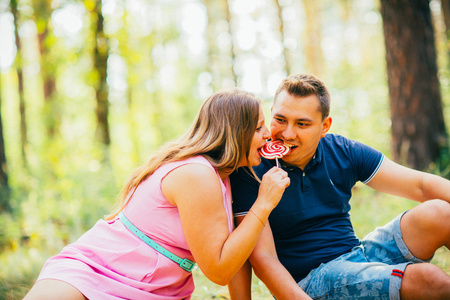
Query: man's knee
pixel 425 281
pixel 430 215
pixel 425 228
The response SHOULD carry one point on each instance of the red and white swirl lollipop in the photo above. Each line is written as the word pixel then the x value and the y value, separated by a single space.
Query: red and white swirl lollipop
pixel 274 149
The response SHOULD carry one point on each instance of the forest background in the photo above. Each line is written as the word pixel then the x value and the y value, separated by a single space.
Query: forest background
pixel 89 89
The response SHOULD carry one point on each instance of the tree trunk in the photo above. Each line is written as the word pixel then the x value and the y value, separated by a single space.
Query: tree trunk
pixel 232 51
pixel 48 68
pixel 220 63
pixel 214 66
pixel 100 62
pixel 19 68
pixel 287 61
pixel 418 128
pixel 446 13
pixel 4 187
pixel 314 60
pixel 445 4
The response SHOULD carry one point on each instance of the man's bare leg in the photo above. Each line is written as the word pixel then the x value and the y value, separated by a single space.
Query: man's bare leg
pixel 425 229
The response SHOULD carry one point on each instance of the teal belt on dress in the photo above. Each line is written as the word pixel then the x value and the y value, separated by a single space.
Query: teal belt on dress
pixel 184 263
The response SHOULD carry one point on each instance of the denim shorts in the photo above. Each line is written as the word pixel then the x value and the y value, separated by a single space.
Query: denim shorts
pixel 372 270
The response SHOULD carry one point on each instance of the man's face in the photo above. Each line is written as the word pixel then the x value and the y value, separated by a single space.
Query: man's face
pixel 297 121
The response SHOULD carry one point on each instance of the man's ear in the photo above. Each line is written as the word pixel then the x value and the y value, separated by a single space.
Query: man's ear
pixel 326 125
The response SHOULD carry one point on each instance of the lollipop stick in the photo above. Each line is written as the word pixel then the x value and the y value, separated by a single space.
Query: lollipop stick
pixel 278 164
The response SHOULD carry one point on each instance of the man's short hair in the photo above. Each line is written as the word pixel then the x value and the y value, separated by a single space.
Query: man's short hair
pixel 303 85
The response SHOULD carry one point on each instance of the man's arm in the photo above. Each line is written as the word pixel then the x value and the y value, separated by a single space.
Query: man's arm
pixel 240 287
pixel 401 181
pixel 268 268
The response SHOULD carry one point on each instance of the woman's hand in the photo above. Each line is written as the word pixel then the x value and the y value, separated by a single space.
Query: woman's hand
pixel 272 187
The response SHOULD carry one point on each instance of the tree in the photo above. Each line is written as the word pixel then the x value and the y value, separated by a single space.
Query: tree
pixel 446 14
pixel 314 60
pixel 4 187
pixel 18 63
pixel 232 50
pixel 287 61
pixel 42 14
pixel 101 52
pixel 213 66
pixel 418 128
pixel 221 64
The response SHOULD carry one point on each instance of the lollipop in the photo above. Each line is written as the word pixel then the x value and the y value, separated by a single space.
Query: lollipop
pixel 274 149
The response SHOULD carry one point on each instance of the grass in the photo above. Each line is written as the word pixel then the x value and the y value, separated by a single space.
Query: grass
pixel 20 264
pixel 205 289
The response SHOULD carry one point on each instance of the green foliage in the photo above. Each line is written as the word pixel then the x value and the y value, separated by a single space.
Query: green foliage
pixel 442 166
pixel 205 289
pixel 48 213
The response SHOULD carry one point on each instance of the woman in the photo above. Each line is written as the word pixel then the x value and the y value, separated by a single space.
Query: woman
pixel 181 201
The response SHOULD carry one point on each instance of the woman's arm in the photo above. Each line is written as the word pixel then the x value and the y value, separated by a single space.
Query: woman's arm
pixel 195 189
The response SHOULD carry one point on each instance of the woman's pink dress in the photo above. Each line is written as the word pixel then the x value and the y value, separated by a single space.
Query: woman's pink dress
pixel 109 262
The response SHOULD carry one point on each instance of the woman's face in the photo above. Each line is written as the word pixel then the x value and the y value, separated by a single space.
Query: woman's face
pixel 259 140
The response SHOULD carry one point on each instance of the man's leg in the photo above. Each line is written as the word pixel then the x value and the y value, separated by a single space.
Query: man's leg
pixel 389 269
pixel 425 281
pixel 425 229
pixel 352 277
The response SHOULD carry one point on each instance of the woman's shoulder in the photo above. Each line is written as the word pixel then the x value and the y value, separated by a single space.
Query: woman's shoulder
pixel 191 177
pixel 196 164
pixel 199 159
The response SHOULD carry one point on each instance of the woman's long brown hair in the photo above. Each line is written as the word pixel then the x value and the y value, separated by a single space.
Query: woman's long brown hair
pixel 222 132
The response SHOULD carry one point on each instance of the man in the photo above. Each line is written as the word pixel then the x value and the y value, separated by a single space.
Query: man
pixel 309 244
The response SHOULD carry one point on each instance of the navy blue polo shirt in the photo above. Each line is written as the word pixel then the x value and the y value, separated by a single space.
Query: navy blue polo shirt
pixel 311 224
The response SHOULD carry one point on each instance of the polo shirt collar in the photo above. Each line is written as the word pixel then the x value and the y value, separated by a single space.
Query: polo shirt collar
pixel 316 159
